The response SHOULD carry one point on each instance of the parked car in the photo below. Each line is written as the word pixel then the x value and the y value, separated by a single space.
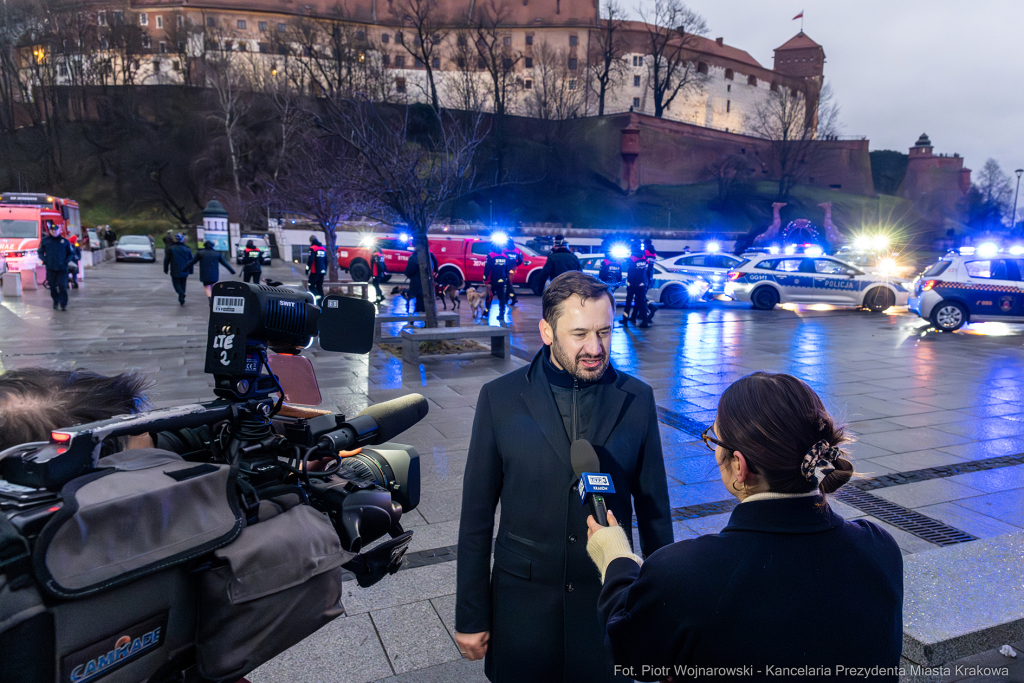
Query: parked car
pixel 672 290
pixel 95 244
pixel 134 248
pixel 769 279
pixel 260 243
pixel 967 288
pixel 712 266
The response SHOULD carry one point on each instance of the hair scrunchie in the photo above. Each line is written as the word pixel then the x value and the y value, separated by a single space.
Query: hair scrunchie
pixel 821 454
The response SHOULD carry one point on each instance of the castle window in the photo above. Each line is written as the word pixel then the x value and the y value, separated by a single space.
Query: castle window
pixel 574 41
pixel 159 22
pixel 728 88
pixel 436 62
pixel 385 38
pixel 461 62
pixel 507 41
pixel 636 81
pixel 419 63
pixel 101 18
pixel 751 80
pixel 281 28
pixel 572 63
pixel 775 87
pixel 728 106
pixel 460 41
pixel 528 62
pixel 728 74
pixel 360 35
pixel 386 60
pixel 210 22
pixel 147 42
pixel 399 62
pixel 506 63
pixel 702 68
pixel 143 19
pixel 528 84
pixel 241 24
pixel 399 82
pixel 636 103
pixel 638 61
pixel 572 84
pixel 262 25
pixel 163 47
pixel 529 39
pixel 398 37
pixel 481 64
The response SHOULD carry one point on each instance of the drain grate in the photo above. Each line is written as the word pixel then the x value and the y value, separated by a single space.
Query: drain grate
pixel 900 478
pixel 680 421
pixel 900 517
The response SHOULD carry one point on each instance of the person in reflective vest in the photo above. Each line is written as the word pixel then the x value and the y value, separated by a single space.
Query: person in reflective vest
pixel 638 279
pixel 316 267
pixel 496 274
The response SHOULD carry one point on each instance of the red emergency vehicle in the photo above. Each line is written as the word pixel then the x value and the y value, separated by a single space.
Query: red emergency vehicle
pixel 460 260
pixel 23 219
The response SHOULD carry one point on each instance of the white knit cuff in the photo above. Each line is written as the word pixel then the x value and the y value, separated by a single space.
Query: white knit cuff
pixel 608 544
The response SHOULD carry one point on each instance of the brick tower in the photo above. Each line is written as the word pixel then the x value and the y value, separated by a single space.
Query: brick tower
pixel 801 57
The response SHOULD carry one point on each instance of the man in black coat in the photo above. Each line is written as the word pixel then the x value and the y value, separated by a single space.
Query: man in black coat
pixel 638 280
pixel 56 252
pixel 178 263
pixel 534 615
pixel 252 263
pixel 498 276
pixel 559 261
pixel 316 267
pixel 210 260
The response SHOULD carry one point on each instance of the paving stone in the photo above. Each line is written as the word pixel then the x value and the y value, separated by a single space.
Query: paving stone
pixel 1006 506
pixel 914 439
pixel 921 493
pixel 918 460
pixel 992 481
pixel 403 588
pixel 460 671
pixel 414 636
pixel 974 523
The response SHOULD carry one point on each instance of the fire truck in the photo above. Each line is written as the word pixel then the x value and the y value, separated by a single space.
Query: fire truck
pixel 23 219
pixel 460 260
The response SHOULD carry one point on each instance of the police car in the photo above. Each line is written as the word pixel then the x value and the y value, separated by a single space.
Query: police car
pixel 673 290
pixel 971 288
pixel 712 266
pixel 768 279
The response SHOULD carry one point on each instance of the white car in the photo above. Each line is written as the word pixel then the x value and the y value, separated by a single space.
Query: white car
pixel 768 279
pixel 673 290
pixel 711 266
pixel 971 288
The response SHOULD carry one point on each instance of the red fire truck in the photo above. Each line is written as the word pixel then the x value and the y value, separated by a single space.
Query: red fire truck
pixel 460 260
pixel 23 219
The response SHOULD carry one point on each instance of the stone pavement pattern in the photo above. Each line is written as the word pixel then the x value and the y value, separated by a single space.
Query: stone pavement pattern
pixel 914 400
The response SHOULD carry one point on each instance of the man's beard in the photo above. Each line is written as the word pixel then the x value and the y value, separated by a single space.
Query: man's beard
pixel 573 367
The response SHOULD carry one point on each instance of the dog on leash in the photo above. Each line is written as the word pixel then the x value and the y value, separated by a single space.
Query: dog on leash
pixel 477 301
pixel 404 293
pixel 449 293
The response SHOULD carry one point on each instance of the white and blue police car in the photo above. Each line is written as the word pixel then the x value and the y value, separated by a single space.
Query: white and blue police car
pixel 769 279
pixel 672 290
pixel 984 286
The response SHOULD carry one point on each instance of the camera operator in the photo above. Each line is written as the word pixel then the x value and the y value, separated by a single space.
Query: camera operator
pixel 36 401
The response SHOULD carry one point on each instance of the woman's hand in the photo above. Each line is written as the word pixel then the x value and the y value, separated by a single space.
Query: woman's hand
pixel 472 646
pixel 593 527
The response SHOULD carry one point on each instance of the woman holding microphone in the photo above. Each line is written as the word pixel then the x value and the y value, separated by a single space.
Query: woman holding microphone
pixel 788 589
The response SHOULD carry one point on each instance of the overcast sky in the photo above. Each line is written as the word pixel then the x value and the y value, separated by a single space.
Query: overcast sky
pixel 899 68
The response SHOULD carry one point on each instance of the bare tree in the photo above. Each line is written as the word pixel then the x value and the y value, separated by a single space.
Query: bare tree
pixel 233 96
pixel 787 119
pixel 556 93
pixel 465 90
pixel 407 177
pixel 729 173
pixel 607 46
pixel 429 33
pixel 673 30
pixel 496 55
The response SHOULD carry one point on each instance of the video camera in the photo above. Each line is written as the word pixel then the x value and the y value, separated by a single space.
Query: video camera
pixel 225 544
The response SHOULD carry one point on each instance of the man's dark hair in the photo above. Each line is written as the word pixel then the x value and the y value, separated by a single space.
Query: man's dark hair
pixel 35 401
pixel 573 282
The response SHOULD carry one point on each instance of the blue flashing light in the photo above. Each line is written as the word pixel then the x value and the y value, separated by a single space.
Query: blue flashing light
pixel 1017 250
pixel 813 251
pixel 773 250
pixel 404 236
pixel 712 247
pixel 499 238
pixel 619 251
pixel 987 249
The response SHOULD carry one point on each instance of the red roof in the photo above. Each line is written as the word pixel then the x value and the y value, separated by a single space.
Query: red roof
pixel 694 44
pixel 800 41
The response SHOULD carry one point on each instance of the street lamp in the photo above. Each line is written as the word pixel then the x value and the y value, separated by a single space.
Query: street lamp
pixel 1013 216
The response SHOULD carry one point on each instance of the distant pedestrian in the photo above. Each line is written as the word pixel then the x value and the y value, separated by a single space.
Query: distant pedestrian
pixel 55 253
pixel 74 265
pixel 168 239
pixel 498 278
pixel 210 260
pixel 252 263
pixel 316 267
pixel 637 282
pixel 178 264
pixel 377 271
pixel 559 261
pixel 515 259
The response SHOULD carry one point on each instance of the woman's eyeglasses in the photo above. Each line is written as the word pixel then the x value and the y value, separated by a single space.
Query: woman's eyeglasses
pixel 711 441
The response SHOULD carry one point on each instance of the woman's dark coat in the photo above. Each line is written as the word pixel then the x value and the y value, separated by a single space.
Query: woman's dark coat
pixel 538 603
pixel 786 584
pixel 209 261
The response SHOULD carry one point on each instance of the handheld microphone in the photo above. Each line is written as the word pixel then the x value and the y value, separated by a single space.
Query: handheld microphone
pixel 593 484
pixel 377 424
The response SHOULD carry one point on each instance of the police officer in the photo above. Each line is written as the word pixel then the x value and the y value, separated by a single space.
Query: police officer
pixel 377 271
pixel 497 275
pixel 316 267
pixel 252 263
pixel 515 259
pixel 560 260
pixel 637 281
pixel 55 252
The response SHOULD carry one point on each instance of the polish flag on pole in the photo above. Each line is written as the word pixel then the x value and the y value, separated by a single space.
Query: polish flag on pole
pixel 799 16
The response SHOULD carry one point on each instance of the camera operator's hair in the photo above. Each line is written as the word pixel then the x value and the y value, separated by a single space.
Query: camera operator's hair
pixel 568 284
pixel 35 401
pixel 775 420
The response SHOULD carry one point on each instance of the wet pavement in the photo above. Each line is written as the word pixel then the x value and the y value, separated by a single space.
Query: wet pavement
pixel 938 419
